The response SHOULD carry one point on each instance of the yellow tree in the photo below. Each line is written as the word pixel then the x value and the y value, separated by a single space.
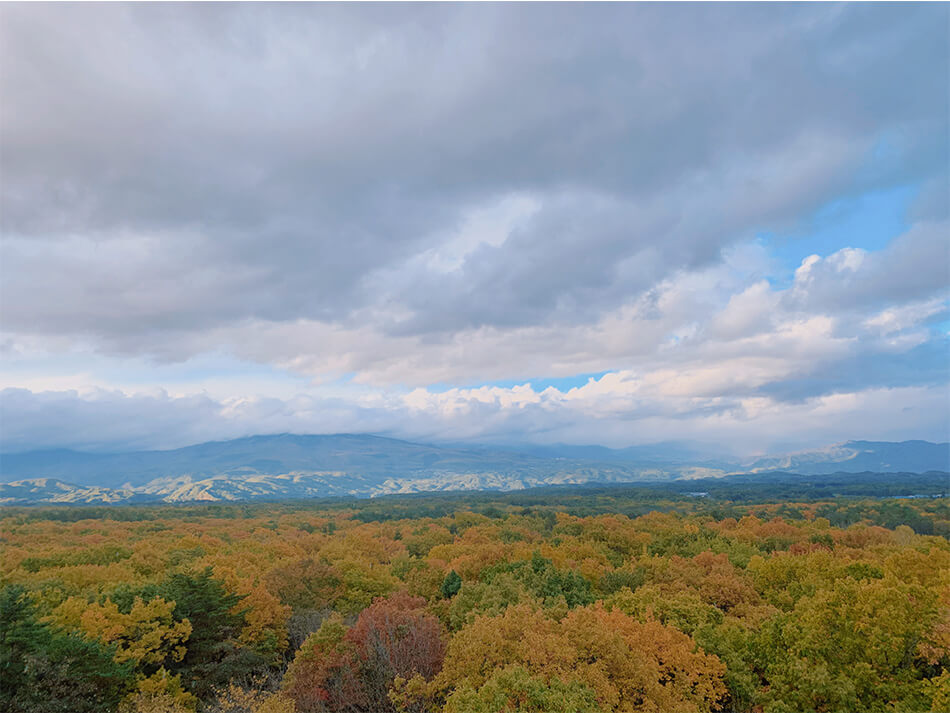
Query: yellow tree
pixel 629 665
pixel 148 634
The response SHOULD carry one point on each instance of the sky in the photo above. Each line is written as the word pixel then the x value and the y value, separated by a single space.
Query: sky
pixel 500 223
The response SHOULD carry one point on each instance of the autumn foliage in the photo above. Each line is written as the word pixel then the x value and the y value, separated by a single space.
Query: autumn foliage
pixel 627 665
pixel 340 669
pixel 494 607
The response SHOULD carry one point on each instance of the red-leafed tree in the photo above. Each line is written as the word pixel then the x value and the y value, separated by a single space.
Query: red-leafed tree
pixel 395 637
pixel 353 671
pixel 321 675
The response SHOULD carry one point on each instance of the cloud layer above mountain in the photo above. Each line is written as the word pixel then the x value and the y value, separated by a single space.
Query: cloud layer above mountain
pixel 226 219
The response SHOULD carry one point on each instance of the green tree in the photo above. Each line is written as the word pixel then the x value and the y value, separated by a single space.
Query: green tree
pixel 515 690
pixel 850 647
pixel 44 671
pixel 214 656
pixel 20 635
pixel 451 585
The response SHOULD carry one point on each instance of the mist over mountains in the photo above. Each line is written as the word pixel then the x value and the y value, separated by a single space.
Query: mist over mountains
pixel 306 466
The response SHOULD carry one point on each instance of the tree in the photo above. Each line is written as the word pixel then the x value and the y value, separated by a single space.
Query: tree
pixel 44 671
pixel 159 693
pixel 214 655
pixel 395 637
pixel 321 675
pixel 338 669
pixel 625 662
pixel 515 690
pixel 851 647
pixel 451 585
pixel 305 584
pixel 147 635
pixel 20 636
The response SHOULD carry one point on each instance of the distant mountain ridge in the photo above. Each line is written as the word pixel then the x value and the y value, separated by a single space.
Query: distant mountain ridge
pixel 860 456
pixel 306 466
pixel 352 454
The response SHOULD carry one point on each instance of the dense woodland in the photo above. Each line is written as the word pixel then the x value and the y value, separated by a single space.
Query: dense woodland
pixel 623 599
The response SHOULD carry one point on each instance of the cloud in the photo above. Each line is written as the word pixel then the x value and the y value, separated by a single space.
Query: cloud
pixel 173 170
pixel 704 351
pixel 721 323
pixel 226 219
pixel 607 411
pixel 714 355
pixel 915 266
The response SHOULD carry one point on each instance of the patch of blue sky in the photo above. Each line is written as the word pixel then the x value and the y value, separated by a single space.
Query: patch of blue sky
pixel 942 327
pixel 869 221
pixel 562 383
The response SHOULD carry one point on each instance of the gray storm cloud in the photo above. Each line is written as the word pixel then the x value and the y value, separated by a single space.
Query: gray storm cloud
pixel 173 168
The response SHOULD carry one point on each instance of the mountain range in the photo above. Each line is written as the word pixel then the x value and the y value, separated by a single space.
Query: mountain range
pixel 304 466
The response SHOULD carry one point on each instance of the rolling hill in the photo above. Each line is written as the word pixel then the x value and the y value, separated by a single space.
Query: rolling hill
pixel 306 466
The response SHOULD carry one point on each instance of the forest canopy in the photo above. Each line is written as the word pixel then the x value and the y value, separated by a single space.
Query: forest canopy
pixel 617 599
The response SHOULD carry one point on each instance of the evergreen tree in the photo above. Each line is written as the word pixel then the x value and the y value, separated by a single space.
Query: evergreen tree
pixel 44 671
pixel 214 656
pixel 451 585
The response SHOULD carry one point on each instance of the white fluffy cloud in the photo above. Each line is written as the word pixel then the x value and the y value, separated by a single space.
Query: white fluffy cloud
pixel 717 355
pixel 611 411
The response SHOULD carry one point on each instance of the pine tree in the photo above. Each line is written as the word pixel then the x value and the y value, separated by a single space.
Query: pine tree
pixel 451 585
